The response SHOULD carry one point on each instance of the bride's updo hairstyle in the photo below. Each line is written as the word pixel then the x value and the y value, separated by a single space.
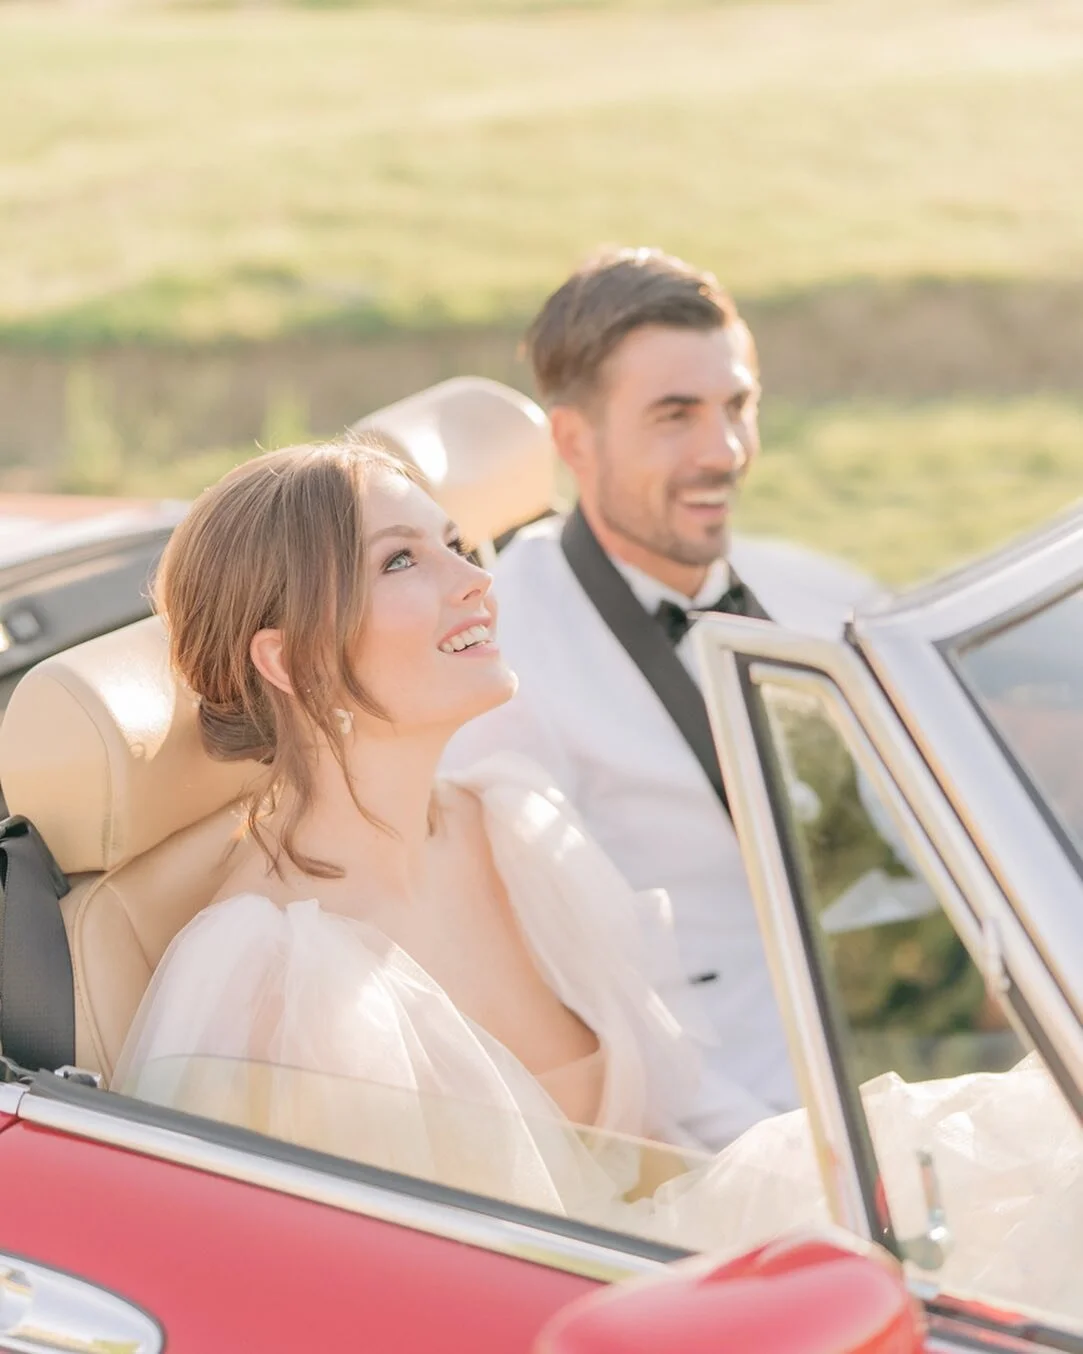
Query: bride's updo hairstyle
pixel 276 544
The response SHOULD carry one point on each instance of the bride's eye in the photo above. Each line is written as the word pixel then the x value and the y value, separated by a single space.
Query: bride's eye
pixel 459 546
pixel 401 559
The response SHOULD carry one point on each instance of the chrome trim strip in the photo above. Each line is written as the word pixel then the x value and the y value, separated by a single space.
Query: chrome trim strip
pixel 750 805
pixel 505 1237
pixel 717 636
pixel 1019 1328
pixel 11 1094
pixel 959 1337
pixel 996 808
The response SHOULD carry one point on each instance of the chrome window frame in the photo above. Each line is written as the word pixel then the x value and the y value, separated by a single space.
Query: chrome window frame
pixel 765 863
pixel 733 652
pixel 723 642
pixel 905 645
pixel 923 851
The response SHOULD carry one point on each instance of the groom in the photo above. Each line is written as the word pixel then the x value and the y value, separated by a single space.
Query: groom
pixel 651 381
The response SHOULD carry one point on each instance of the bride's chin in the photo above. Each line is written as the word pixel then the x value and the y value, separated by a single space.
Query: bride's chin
pixel 497 689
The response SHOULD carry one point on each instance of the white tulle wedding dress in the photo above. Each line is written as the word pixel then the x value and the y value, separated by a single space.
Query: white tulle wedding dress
pixel 315 1028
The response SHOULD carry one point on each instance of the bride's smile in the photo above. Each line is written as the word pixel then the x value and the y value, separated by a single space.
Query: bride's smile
pixel 430 607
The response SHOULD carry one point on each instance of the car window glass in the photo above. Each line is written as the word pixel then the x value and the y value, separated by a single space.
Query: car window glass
pixel 1027 678
pixel 938 1065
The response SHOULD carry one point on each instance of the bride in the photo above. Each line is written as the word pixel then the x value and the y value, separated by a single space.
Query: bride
pixel 447 978
pixel 442 977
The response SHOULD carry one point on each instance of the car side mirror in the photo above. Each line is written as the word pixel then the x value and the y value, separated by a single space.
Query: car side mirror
pixel 822 1293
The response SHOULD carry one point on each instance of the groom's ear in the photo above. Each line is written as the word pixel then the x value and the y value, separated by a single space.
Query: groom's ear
pixel 572 437
pixel 267 656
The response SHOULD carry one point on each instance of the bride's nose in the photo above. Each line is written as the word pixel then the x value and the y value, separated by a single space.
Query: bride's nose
pixel 472 581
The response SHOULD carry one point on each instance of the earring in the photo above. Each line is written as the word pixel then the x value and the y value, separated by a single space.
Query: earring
pixel 345 720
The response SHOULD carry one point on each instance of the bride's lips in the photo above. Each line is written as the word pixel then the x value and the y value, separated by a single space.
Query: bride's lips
pixel 473 636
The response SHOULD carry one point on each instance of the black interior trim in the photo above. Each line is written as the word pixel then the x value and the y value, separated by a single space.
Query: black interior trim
pixel 37 991
pixel 958 1323
pixel 72 601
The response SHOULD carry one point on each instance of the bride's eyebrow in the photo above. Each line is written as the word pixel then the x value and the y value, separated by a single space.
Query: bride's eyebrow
pixel 411 533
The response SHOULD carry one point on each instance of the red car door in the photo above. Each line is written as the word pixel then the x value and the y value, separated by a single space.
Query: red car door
pixel 226 1266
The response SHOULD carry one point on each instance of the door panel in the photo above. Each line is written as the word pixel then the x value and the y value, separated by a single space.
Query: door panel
pixel 226 1266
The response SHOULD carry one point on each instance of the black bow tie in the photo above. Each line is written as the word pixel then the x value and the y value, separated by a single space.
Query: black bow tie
pixel 676 622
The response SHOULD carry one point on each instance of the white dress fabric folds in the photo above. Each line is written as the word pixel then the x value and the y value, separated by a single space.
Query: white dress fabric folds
pixel 315 1028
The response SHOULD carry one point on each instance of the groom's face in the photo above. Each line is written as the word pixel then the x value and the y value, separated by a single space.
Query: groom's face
pixel 673 431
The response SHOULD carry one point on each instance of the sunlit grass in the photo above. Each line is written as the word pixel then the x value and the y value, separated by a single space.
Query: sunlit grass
pixel 908 492
pixel 200 173
pixel 903 493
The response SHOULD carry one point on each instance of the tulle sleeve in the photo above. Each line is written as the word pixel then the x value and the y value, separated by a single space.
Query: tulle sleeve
pixel 605 949
pixel 314 1028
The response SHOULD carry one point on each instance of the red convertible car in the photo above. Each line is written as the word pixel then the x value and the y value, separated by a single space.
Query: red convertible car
pixel 909 802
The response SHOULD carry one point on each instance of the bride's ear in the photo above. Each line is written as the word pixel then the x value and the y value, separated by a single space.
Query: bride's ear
pixel 267 656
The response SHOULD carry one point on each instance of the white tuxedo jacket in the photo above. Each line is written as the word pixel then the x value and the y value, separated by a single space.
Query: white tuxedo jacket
pixel 588 716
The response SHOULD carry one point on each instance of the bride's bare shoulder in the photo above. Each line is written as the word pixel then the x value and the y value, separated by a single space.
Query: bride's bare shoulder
pixel 247 873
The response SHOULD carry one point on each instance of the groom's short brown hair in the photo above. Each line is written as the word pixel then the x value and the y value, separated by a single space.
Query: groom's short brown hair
pixel 613 293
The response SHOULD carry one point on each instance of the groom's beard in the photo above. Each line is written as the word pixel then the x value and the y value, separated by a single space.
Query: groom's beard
pixel 627 516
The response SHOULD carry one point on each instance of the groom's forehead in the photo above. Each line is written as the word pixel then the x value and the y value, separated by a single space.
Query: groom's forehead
pixel 659 360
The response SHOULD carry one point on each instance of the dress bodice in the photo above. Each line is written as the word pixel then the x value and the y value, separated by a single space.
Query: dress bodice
pixel 318 995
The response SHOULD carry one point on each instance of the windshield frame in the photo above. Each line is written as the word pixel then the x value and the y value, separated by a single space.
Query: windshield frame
pixel 907 644
pixel 954 653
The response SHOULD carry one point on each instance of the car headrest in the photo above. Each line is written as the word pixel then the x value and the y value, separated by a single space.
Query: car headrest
pixel 484 449
pixel 100 749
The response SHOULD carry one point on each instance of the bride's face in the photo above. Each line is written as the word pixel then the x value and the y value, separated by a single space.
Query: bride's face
pixel 427 653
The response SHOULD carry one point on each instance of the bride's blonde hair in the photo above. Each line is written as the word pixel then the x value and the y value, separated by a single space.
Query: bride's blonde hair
pixel 276 544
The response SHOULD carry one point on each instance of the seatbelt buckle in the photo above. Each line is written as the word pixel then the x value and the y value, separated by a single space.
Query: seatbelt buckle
pixel 79 1076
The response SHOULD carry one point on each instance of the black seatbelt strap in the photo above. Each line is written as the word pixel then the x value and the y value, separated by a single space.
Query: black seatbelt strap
pixel 37 996
pixel 645 642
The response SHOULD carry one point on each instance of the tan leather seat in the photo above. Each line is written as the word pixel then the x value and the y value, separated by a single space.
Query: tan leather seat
pixel 485 451
pixel 100 749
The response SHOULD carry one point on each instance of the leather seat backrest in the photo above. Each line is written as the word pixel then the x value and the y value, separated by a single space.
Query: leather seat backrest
pixel 484 449
pixel 100 749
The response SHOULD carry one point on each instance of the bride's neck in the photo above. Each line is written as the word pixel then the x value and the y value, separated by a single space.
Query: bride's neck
pixel 394 779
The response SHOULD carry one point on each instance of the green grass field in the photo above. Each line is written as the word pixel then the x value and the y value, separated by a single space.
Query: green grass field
pixel 186 174
pixel 908 492
pixel 171 172
pixel 903 493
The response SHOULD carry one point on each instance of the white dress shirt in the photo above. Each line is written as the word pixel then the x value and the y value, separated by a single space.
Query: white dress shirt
pixel 587 714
